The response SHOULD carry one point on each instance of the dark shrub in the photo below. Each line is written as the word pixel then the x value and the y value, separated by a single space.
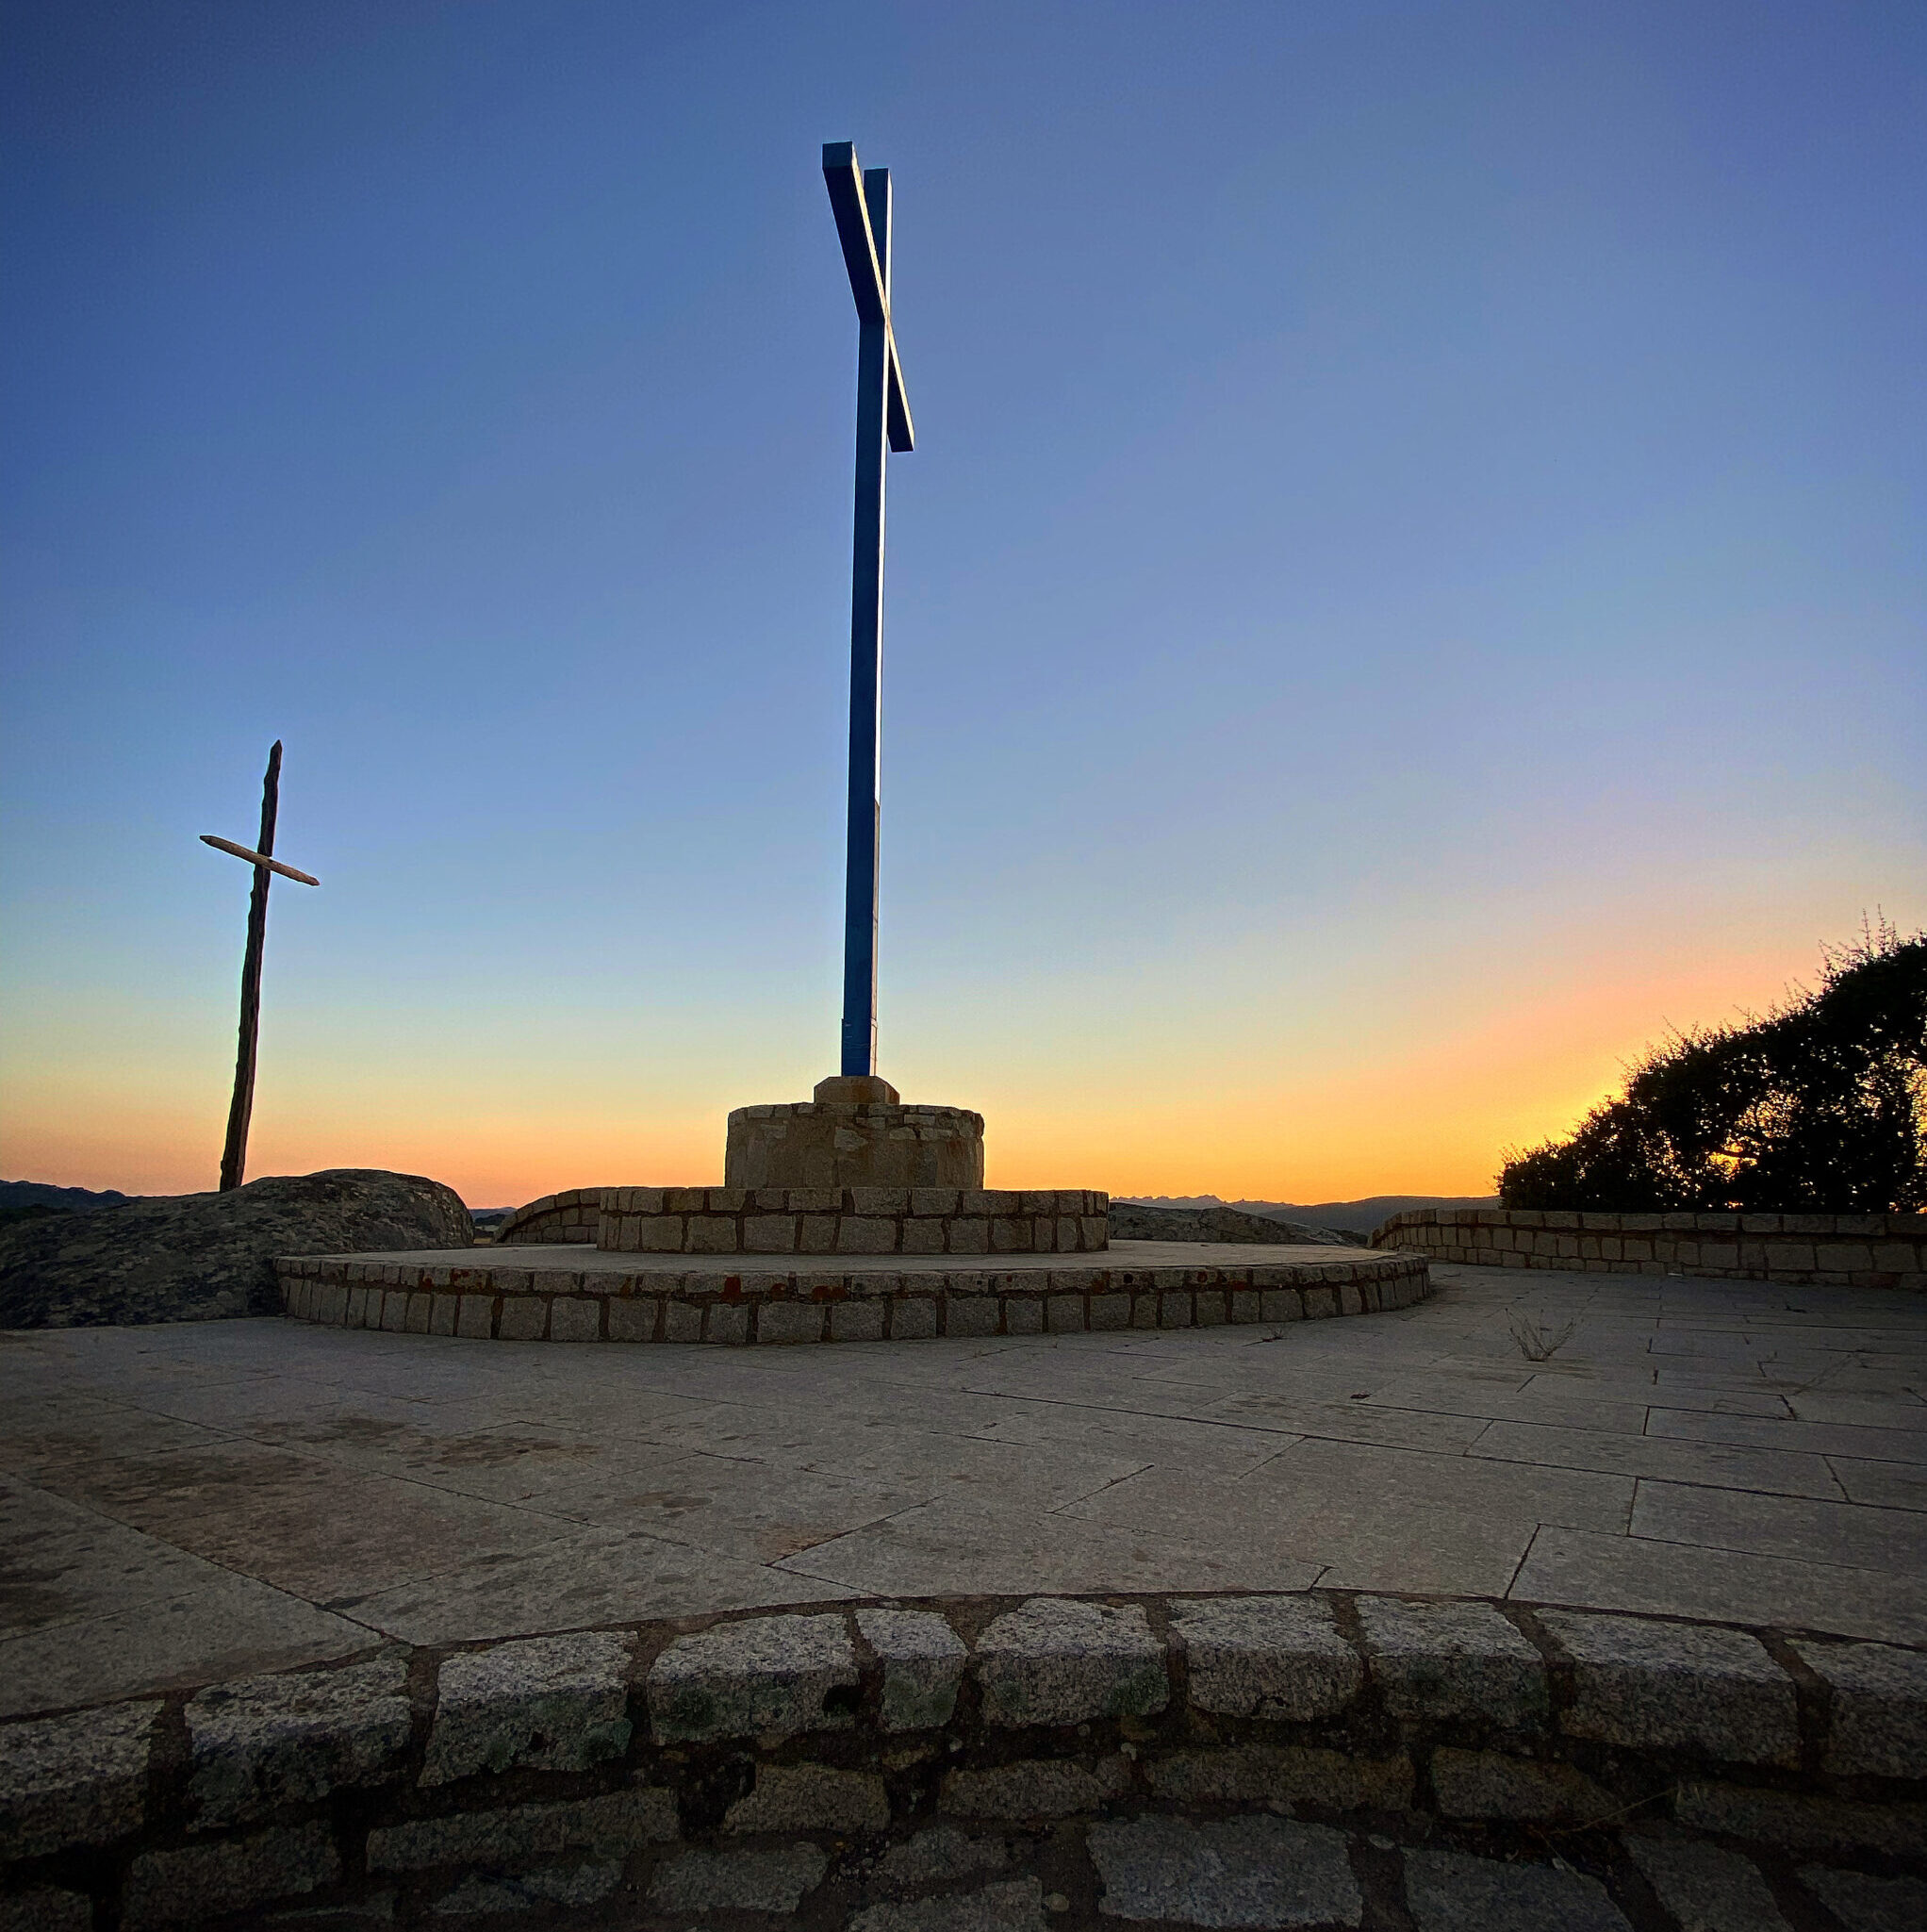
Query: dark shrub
pixel 1818 1107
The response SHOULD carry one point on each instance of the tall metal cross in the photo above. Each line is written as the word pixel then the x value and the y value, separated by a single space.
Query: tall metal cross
pixel 234 1155
pixel 861 198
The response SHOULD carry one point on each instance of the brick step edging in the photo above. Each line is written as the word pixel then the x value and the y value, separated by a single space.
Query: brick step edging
pixel 741 1305
pixel 614 1754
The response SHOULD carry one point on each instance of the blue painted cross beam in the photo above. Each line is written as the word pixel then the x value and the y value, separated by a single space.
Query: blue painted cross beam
pixel 234 1155
pixel 861 198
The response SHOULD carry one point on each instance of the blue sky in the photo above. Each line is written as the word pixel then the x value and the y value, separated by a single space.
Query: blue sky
pixel 1411 578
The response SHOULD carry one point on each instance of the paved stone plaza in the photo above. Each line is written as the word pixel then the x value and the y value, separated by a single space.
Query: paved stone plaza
pixel 193 1501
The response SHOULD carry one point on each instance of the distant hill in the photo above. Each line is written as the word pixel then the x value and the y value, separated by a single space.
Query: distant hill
pixel 1353 1217
pixel 43 1193
pixel 27 1200
pixel 1138 1221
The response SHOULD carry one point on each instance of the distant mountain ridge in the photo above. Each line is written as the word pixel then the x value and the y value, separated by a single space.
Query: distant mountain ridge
pixel 1353 1217
pixel 43 1193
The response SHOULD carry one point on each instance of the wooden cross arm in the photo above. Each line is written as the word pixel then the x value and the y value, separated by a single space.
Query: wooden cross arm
pixel 255 858
pixel 844 176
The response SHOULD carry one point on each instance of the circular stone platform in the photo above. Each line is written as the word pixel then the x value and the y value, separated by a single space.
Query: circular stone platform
pixel 560 1293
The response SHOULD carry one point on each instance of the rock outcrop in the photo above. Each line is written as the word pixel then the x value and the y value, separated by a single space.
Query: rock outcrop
pixel 1132 1222
pixel 200 1257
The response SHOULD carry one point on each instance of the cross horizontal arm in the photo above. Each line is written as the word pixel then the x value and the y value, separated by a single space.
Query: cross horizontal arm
pixel 255 858
pixel 845 178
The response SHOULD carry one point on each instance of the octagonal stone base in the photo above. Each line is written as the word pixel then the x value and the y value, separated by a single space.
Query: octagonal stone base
pixel 853 1143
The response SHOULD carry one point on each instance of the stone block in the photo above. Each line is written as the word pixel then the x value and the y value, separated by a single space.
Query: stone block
pixel 1319 1303
pixel 541 1703
pixel 1490 1784
pixel 1010 1234
pixel 970 1236
pixel 1023 1315
pixel 1791 1818
pixel 924 1237
pixel 710 1234
pixel 524 1317
pixel 1447 1892
pixel 934 1200
pixel 1260 1872
pixel 394 1318
pixel 611 1827
pixel 1265 1657
pixel 659 1235
pixel 939 1854
pixel 1014 1905
pixel 420 1312
pixel 856 1321
pixel 1056 1661
pixel 441 1319
pixel 923 1665
pixel 1111 1311
pixel 1034 1788
pixel 1704 1889
pixel 810 1797
pixel 969 1317
pixel 477 1317
pixel 790 1321
pixel 893 1202
pixel 1064 1314
pixel 773 1676
pixel 1676 1686
pixel 265 1742
pixel 1282 1305
pixel 1174 1307
pixel 46 1908
pixel 79 1781
pixel 206 1881
pixel 1246 1305
pixel 858 1235
pixel 1866 1902
pixel 682 1322
pixel 913 1320
pixel 1284 1774
pixel 575 1318
pixel 772 1881
pixel 1434 1661
pixel 634 1318
pixel 1878 1721
pixel 770 1233
pixel 573 1886
pixel 727 1324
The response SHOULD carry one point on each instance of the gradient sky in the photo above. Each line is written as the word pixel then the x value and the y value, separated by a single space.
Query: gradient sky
pixel 1411 579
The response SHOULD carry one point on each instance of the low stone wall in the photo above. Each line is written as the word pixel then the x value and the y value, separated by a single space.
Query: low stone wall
pixel 571 1216
pixel 852 1220
pixel 1808 1250
pixel 500 1300
pixel 1124 1759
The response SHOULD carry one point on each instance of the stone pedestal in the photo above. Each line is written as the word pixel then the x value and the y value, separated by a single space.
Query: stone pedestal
pixel 855 1133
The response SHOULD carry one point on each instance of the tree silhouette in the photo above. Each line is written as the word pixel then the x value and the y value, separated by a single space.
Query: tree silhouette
pixel 1818 1107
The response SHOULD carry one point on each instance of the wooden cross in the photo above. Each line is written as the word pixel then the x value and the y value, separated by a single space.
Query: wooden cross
pixel 861 198
pixel 234 1155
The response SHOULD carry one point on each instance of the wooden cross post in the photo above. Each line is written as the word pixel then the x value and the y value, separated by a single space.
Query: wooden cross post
pixel 234 1156
pixel 861 198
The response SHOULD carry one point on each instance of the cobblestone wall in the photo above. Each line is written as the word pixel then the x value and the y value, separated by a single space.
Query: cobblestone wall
pixel 852 1220
pixel 1825 1250
pixel 1322 1759
pixel 486 1301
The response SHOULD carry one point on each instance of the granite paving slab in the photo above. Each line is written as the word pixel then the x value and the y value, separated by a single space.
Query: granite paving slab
pixel 281 1491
